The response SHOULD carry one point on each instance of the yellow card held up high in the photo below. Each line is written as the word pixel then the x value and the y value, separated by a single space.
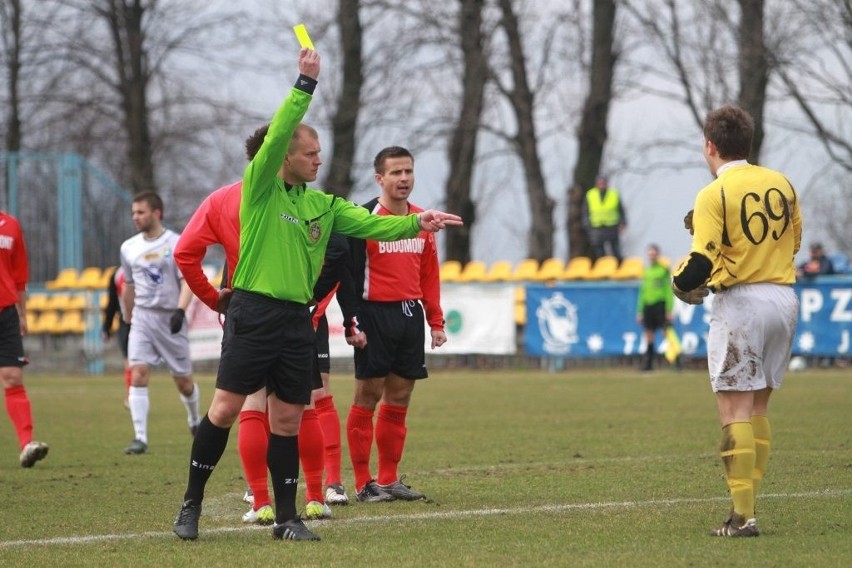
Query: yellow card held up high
pixel 302 36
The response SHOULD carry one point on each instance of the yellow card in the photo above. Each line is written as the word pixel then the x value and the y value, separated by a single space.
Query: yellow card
pixel 303 37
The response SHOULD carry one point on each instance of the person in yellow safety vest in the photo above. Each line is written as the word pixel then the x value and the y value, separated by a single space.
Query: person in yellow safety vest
pixel 604 219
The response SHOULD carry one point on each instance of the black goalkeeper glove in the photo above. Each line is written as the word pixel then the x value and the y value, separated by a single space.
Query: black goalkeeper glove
pixel 176 321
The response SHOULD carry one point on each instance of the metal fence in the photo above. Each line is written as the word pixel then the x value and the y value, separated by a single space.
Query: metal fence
pixel 73 215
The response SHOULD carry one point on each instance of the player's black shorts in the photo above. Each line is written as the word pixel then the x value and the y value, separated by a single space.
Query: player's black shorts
pixel 121 335
pixel 268 342
pixel 11 344
pixel 323 359
pixel 654 316
pixel 396 335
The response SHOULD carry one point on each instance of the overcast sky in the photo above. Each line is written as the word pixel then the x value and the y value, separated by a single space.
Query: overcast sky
pixel 655 201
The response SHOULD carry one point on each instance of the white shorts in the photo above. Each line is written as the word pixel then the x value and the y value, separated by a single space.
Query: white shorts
pixel 751 336
pixel 151 342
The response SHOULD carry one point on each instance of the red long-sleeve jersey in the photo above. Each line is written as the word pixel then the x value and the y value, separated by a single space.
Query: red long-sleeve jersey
pixel 14 266
pixel 216 221
pixel 400 270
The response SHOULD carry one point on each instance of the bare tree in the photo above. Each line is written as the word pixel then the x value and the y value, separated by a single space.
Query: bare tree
pixel 592 133
pixel 345 121
pixel 10 20
pixel 521 98
pixel 816 71
pixel 753 68
pixel 462 148
pixel 136 63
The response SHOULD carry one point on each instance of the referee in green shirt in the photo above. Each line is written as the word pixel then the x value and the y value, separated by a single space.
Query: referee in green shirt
pixel 656 300
pixel 268 337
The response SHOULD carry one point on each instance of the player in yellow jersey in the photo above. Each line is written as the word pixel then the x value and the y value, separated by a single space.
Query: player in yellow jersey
pixel 747 229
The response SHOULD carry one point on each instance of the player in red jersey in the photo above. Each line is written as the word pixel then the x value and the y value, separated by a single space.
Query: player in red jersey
pixel 397 282
pixel 14 274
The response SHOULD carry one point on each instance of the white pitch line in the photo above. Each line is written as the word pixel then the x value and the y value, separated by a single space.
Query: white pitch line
pixel 427 516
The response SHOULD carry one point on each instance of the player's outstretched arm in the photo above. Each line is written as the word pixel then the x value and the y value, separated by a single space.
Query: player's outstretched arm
pixel 433 221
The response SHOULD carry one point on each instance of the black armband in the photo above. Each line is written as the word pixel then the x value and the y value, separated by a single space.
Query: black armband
pixel 306 84
pixel 695 273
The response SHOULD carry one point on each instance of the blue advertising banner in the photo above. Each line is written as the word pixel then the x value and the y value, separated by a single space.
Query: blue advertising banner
pixel 599 319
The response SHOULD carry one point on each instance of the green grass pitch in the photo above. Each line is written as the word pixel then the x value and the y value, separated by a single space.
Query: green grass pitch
pixel 577 468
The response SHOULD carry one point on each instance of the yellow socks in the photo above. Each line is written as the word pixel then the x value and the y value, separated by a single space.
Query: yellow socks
pixel 762 444
pixel 738 455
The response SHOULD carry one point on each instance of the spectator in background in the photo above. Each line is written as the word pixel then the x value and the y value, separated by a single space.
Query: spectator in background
pixel 604 219
pixel 14 273
pixel 817 265
pixel 115 305
pixel 654 306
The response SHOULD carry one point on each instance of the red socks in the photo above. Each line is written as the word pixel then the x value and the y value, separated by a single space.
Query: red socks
pixel 359 433
pixel 390 440
pixel 330 422
pixel 252 443
pixel 20 413
pixel 311 454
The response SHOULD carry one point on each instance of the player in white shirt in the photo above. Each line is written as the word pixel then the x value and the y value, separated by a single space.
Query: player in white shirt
pixel 156 298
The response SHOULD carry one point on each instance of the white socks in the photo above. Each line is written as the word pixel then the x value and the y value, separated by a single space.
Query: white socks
pixel 138 399
pixel 191 402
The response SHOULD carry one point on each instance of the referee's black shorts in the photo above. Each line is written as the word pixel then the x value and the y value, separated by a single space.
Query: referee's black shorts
pixel 11 344
pixel 268 342
pixel 654 316
pixel 396 335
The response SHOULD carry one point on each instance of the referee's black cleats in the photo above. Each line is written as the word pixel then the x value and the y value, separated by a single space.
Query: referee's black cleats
pixel 186 523
pixel 293 529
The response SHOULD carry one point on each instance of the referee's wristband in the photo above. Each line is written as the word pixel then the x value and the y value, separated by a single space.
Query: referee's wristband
pixel 306 84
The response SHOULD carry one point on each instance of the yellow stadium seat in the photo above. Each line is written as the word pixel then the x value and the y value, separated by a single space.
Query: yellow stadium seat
pixel 578 268
pixel 37 302
pixel 603 268
pixel 631 268
pixel 72 322
pixel 450 271
pixel 77 302
pixel 47 322
pixel 526 270
pixel 550 269
pixel 59 301
pixel 31 321
pixel 473 271
pixel 90 278
pixel 66 279
pixel 500 271
pixel 106 274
